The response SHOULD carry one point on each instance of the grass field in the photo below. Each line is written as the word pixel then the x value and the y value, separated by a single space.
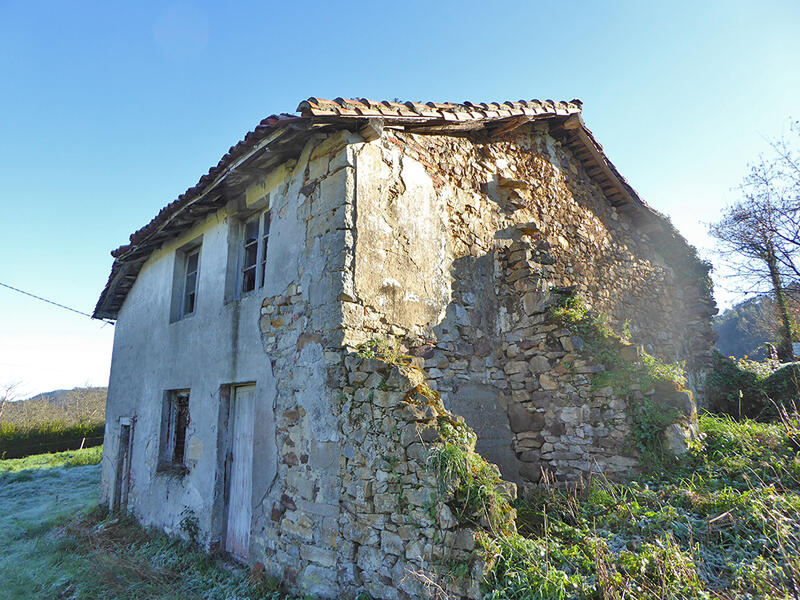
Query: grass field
pixel 722 523
pixel 56 544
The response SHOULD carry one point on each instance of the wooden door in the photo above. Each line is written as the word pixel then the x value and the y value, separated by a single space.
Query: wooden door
pixel 123 474
pixel 240 492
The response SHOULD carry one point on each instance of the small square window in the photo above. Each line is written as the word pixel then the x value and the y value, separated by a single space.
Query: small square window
pixel 174 423
pixel 253 253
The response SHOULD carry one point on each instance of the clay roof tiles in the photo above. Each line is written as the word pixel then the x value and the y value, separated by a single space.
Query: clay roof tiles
pixel 179 214
pixel 447 111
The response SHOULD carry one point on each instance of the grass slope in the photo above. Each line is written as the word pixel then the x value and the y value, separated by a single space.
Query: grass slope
pixel 722 523
pixel 56 543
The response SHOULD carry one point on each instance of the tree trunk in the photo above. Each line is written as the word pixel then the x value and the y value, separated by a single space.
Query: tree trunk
pixel 785 352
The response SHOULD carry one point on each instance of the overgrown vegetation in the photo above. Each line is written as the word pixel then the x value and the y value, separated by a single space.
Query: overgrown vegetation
pixel 633 375
pixel 112 557
pixel 383 350
pixel 724 522
pixel 754 389
pixel 605 346
pixel 479 497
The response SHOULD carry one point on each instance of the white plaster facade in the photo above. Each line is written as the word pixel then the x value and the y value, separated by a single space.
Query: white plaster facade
pixel 216 347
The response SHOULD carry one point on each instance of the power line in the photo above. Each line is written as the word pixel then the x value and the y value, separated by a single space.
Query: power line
pixel 51 302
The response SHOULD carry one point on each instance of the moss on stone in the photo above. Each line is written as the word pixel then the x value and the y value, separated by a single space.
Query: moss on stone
pixel 632 374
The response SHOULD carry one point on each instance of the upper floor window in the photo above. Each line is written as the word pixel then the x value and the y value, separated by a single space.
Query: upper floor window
pixel 190 282
pixel 253 252
pixel 184 280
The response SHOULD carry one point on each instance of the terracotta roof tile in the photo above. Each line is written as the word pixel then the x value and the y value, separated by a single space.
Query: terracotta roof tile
pixel 346 107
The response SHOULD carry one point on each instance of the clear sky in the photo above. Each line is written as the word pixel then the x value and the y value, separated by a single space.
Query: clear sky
pixel 110 110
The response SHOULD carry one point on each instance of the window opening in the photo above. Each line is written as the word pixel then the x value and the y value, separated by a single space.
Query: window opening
pixel 264 243
pixel 250 256
pixel 176 422
pixel 190 282
pixel 253 261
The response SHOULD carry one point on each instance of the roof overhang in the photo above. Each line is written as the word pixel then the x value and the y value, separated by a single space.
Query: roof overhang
pixel 280 137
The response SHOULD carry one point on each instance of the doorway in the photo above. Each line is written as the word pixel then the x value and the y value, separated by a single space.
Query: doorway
pixel 238 513
pixel 122 480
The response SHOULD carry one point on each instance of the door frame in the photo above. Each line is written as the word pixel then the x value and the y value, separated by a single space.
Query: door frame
pixel 225 427
pixel 122 472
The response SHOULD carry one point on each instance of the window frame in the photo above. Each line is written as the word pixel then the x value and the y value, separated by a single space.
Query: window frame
pixel 178 309
pixel 263 220
pixel 175 420
pixel 189 254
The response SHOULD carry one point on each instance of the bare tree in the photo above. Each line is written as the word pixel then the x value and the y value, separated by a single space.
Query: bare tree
pixel 760 233
pixel 9 392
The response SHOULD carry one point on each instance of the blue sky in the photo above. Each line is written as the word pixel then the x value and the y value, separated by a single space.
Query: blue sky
pixel 110 110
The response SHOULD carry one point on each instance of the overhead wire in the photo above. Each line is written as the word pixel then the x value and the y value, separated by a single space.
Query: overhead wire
pixel 80 312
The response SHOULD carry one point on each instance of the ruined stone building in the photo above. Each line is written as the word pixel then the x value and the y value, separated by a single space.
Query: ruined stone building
pixel 237 395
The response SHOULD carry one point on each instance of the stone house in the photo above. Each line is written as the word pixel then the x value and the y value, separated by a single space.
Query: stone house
pixel 237 396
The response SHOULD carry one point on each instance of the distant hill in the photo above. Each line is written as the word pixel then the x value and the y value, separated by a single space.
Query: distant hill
pixel 71 407
pixel 745 327
pixel 740 330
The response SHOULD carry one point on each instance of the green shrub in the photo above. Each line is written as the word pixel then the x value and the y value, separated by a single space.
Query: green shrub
pixel 475 486
pixel 752 389
pixel 17 441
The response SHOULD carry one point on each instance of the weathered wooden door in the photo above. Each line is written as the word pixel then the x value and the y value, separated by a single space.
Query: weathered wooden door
pixel 240 501
pixel 123 474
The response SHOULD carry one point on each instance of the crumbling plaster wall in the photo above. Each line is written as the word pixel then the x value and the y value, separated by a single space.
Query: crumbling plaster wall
pixel 457 243
pixel 354 506
pixel 202 352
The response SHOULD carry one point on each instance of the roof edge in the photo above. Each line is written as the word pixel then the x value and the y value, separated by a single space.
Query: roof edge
pixel 199 199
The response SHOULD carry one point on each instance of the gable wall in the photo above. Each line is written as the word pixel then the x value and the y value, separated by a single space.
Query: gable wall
pixel 440 263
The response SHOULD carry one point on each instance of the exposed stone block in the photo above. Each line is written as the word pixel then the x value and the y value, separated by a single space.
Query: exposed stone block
pixel 522 419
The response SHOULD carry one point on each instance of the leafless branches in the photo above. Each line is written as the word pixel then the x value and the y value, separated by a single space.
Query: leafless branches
pixel 759 235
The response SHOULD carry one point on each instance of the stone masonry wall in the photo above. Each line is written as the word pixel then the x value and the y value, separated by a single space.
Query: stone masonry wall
pixel 296 524
pixel 396 523
pixel 458 242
